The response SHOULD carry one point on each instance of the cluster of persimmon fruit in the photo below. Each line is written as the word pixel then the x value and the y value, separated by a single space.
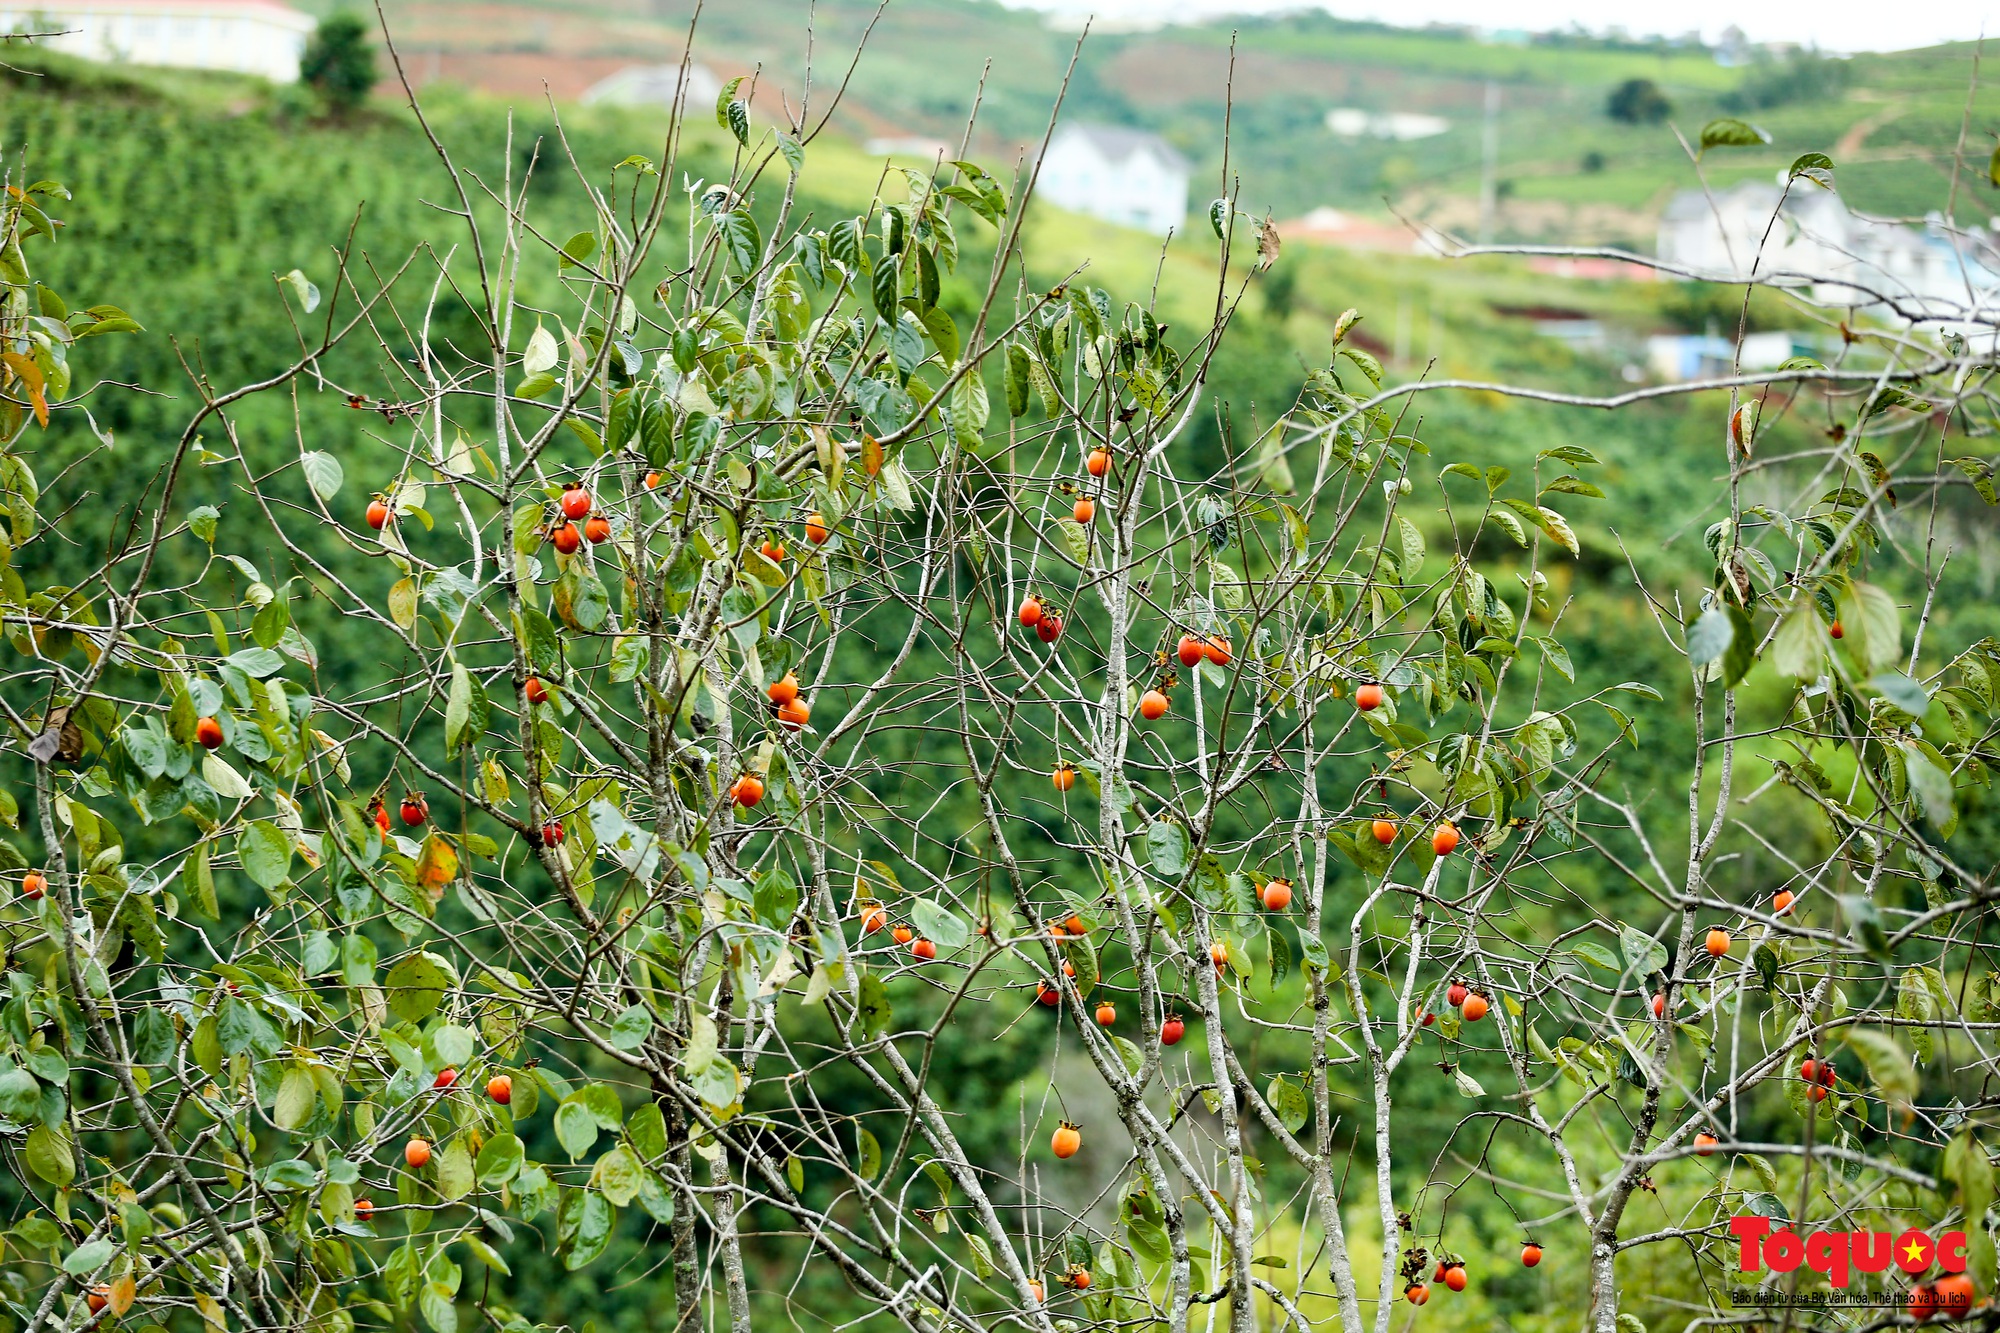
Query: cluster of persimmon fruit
pixel 875 919
pixel 1471 1004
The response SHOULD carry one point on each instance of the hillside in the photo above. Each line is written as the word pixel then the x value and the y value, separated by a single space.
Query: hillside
pixel 1566 171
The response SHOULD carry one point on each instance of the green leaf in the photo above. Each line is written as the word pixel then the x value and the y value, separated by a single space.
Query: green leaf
pixel 1901 691
pixel 1167 847
pixel 1728 132
pixel 939 925
pixel 875 1011
pixel 499 1160
pixel 578 249
pixel 1643 953
pixel 417 985
pixel 454 1170
pixel 265 851
pixel 323 473
pixel 1966 1166
pixel 87 1259
pixel 49 1156
pixel 1798 649
pixel 1872 625
pixel 466 711
pixel 870 1154
pixel 631 1028
pixel 1888 1065
pixel 1710 636
pixel 576 1127
pixel 1815 167
pixel 302 289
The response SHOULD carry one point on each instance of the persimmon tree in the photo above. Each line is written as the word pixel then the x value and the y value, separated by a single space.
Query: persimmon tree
pixel 808 648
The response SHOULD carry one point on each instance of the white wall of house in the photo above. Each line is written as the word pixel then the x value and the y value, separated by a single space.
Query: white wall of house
pixel 246 36
pixel 1122 176
pixel 1838 257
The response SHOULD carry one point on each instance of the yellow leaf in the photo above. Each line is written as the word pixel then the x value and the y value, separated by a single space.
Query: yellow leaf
pixel 437 865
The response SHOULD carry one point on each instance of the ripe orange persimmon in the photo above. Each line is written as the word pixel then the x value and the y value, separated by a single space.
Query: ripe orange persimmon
pixel 1531 1254
pixel 1455 994
pixel 1277 895
pixel 794 714
pixel 417 1152
pixel 1036 1289
pixel 597 530
pixel 1031 610
pixel 364 1209
pixel 1782 903
pixel 1064 777
pixel 415 809
pixel 1454 1277
pixel 1098 463
pixel 773 550
pixel 378 513
pixel 567 538
pixel 1836 630
pixel 1107 1013
pixel 1084 510
pixel 208 734
pixel 1218 953
pixel 1444 837
pixel 816 529
pixel 445 1077
pixel 902 934
pixel 1368 698
pixel 1066 1140
pixel 34 884
pixel 1074 925
pixel 1819 1071
pixel 874 917
pixel 1046 992
pixel 1385 831
pixel 747 790
pixel 785 689
pixel 500 1088
pixel 1049 628
pixel 1078 1278
pixel 1152 705
pixel 652 480
pixel 923 950
pixel 1704 1144
pixel 1190 650
pixel 1718 942
pixel 1954 1293
pixel 1475 1007
pixel 1216 650
pixel 575 501
pixel 1416 1293
pixel 536 692
pixel 99 1297
pixel 1172 1030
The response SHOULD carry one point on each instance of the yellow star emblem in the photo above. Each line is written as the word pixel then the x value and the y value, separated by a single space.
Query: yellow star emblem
pixel 1914 1250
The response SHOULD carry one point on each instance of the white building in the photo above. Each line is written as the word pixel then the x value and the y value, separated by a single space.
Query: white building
pixel 1351 122
pixel 1120 175
pixel 246 36
pixel 656 85
pixel 1830 254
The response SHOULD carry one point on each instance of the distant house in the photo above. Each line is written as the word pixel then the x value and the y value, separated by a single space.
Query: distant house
pixel 1350 122
pixel 908 145
pixel 1832 255
pixel 1120 175
pixel 655 85
pixel 246 36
